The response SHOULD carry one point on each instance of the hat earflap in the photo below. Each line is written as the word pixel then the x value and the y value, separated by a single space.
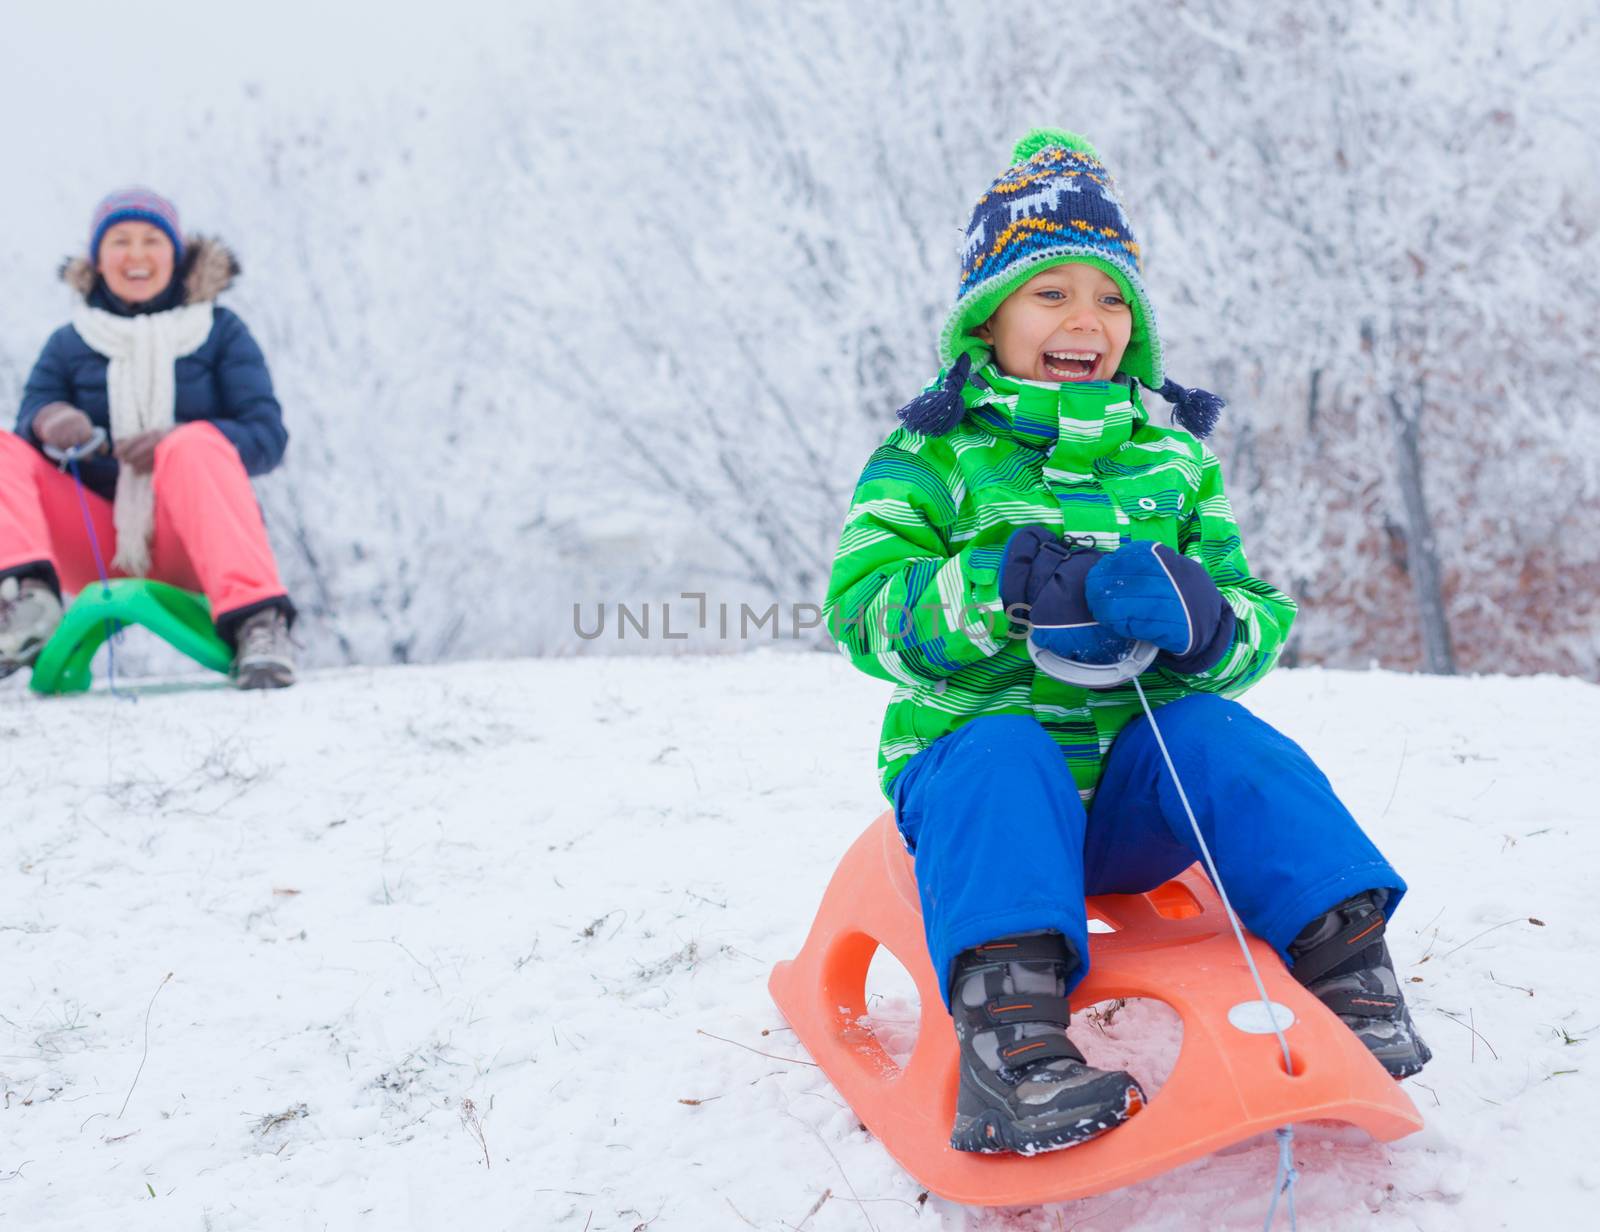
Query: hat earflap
pixel 935 411
pixel 1196 411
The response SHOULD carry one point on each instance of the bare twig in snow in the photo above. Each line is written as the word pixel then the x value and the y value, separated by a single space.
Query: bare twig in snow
pixel 1430 923
pixel 774 1056
pixel 276 1120
pixel 1399 770
pixel 474 1126
pixel 1487 931
pixel 598 922
pixel 1503 984
pixel 864 1201
pixel 815 1207
pixel 1103 1017
pixel 1453 1018
pixel 145 1054
pixel 823 1142
pixel 437 987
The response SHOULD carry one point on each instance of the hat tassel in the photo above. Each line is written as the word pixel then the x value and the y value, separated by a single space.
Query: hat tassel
pixel 935 411
pixel 1194 410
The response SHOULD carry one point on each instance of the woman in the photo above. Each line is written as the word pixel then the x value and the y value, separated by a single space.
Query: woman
pixel 182 392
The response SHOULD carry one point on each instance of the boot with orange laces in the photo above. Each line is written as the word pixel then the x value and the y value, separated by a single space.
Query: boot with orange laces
pixel 1024 1085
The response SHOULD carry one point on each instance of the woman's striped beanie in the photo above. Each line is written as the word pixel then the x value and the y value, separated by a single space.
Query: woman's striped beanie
pixel 1056 203
pixel 134 205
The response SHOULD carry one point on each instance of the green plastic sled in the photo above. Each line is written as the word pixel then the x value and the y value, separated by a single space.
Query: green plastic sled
pixel 174 615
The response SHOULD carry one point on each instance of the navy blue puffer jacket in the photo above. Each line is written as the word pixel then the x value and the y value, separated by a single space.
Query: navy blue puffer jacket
pixel 225 381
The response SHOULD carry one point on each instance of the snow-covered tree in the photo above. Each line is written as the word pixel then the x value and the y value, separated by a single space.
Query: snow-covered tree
pixel 624 318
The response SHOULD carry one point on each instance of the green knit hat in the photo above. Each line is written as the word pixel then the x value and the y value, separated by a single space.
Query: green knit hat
pixel 1054 204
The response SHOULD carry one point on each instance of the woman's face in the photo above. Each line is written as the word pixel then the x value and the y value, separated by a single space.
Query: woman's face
pixel 136 261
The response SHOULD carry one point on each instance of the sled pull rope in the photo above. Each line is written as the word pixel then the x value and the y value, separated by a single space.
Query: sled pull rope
pixel 1287 1176
pixel 69 459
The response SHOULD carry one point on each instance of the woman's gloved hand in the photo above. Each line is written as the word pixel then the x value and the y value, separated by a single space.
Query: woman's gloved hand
pixel 1041 582
pixel 1147 591
pixel 62 426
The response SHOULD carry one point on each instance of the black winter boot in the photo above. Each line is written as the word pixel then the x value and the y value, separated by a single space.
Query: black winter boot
pixel 1342 958
pixel 1024 1084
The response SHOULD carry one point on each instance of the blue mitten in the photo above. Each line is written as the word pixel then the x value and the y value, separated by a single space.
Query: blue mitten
pixel 1041 582
pixel 1146 590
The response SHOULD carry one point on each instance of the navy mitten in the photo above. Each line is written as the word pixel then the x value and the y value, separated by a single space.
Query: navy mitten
pixel 1041 581
pixel 1146 590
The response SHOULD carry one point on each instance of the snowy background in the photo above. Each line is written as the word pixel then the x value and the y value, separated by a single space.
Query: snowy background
pixel 389 892
pixel 567 311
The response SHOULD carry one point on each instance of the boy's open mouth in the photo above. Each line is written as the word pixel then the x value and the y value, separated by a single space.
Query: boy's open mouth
pixel 1071 365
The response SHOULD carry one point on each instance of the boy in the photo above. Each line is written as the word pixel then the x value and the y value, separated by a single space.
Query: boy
pixel 1028 481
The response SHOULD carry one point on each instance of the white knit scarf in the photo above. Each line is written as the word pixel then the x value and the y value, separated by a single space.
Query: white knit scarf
pixel 142 388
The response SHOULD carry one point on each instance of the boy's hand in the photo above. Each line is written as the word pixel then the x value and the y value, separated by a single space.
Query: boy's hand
pixel 1041 582
pixel 1147 591
pixel 1045 575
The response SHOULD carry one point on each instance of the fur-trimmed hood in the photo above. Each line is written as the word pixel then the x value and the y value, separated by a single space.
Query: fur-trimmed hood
pixel 207 269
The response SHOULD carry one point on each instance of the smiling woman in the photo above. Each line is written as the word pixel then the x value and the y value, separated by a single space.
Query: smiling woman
pixel 136 261
pixel 178 395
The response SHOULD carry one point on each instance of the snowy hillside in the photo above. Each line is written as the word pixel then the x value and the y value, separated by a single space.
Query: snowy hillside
pixel 262 951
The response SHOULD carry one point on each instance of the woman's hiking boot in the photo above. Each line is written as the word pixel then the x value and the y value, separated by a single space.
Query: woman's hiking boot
pixel 30 610
pixel 1024 1084
pixel 264 658
pixel 1343 960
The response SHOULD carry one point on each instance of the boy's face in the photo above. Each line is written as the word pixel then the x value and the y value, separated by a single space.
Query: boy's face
pixel 1069 323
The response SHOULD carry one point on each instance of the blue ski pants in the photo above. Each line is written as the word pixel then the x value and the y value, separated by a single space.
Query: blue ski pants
pixel 1004 845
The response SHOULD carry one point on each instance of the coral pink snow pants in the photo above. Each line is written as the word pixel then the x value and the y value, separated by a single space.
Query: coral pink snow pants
pixel 208 536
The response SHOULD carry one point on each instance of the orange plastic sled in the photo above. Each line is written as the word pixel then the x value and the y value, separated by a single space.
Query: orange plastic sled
pixel 1173 944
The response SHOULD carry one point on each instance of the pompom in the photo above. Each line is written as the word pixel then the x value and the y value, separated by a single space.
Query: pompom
pixel 939 409
pixel 1194 410
pixel 1045 138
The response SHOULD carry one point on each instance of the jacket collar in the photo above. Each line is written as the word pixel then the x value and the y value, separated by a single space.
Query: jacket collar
pixel 1077 423
pixel 101 297
pixel 207 268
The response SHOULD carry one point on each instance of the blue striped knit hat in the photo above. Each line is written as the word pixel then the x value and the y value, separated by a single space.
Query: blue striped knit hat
pixel 134 205
pixel 1055 204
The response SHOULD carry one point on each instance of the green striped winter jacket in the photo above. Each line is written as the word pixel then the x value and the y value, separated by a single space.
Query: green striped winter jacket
pixel 914 596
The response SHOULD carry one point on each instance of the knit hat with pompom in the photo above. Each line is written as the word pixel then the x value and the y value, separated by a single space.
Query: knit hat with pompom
pixel 1055 204
pixel 134 205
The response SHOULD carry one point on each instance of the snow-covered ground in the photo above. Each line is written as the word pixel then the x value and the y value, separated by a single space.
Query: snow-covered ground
pixel 450 947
